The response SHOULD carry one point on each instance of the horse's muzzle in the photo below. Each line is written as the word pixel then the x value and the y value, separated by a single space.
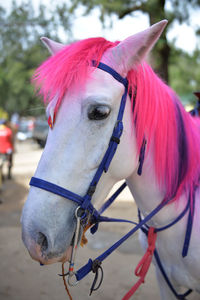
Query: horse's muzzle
pixel 45 255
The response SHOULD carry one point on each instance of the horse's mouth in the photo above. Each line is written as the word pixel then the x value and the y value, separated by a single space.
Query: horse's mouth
pixel 68 253
pixel 44 259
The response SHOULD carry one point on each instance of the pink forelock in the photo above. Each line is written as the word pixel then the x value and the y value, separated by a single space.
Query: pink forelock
pixel 158 116
pixel 68 68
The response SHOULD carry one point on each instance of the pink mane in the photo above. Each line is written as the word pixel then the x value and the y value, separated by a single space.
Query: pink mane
pixel 158 114
pixel 161 118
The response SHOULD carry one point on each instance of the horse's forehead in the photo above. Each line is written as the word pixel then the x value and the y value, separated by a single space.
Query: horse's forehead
pixel 100 81
pixel 99 85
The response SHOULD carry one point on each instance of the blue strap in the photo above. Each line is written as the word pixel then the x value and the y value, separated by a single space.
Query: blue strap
pixel 185 248
pixel 50 187
pixel 84 271
pixel 55 189
pixel 85 202
pixel 107 204
pixel 104 165
pixel 111 71
pixel 141 157
pixel 189 223
pixel 189 227
pixel 87 268
pixel 178 296
pixel 100 219
pixel 109 220
pixel 170 224
pixel 116 134
pixel 112 198
pixel 60 191
pixel 158 261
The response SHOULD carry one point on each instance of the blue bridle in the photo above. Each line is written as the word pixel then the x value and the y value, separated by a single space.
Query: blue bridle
pixel 84 203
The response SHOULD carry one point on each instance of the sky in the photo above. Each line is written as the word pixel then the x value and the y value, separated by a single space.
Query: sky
pixel 184 35
pixel 90 26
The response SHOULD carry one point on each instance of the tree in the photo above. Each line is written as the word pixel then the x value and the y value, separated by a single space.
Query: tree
pixel 21 53
pixel 185 80
pixel 172 10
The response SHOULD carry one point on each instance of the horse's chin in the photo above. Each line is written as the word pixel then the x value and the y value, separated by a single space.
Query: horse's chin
pixel 43 259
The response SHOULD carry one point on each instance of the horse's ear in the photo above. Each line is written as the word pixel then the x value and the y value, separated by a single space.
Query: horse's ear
pixel 133 50
pixel 52 46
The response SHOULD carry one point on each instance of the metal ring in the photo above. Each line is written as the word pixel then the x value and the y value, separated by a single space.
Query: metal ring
pixel 80 212
pixel 76 211
pixel 71 281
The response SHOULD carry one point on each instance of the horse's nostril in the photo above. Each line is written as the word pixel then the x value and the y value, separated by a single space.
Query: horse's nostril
pixel 42 241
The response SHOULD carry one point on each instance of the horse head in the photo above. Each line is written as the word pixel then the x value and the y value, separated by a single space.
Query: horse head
pixel 83 109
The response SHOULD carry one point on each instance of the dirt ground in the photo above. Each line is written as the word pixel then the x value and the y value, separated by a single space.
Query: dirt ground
pixel 21 278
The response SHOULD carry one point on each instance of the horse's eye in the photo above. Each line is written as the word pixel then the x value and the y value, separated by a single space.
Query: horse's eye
pixel 98 112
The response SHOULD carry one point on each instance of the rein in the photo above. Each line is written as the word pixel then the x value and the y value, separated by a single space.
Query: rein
pixel 86 213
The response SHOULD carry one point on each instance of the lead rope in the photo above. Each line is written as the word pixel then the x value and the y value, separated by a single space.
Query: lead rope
pixel 144 264
pixel 65 283
pixel 140 271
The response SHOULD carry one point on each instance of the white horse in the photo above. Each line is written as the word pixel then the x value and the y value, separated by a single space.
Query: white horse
pixel 83 105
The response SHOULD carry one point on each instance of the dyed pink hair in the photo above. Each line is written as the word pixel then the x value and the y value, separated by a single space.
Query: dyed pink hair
pixel 158 114
pixel 68 68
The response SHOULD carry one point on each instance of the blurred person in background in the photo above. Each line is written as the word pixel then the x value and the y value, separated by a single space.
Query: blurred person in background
pixel 196 111
pixel 6 144
pixel 14 125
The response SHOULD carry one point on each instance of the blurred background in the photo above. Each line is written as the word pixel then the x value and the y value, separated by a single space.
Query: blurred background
pixel 176 58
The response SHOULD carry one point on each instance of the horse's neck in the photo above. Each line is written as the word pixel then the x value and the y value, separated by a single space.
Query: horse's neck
pixel 147 195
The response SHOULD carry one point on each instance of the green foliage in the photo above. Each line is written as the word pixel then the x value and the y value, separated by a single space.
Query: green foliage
pixel 184 72
pixel 22 51
pixel 156 9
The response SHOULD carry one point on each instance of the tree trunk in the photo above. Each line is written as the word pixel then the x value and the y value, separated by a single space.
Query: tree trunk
pixel 161 51
pixel 161 55
pixel 155 9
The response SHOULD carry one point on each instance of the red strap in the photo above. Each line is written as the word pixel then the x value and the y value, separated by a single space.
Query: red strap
pixel 50 121
pixel 144 264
